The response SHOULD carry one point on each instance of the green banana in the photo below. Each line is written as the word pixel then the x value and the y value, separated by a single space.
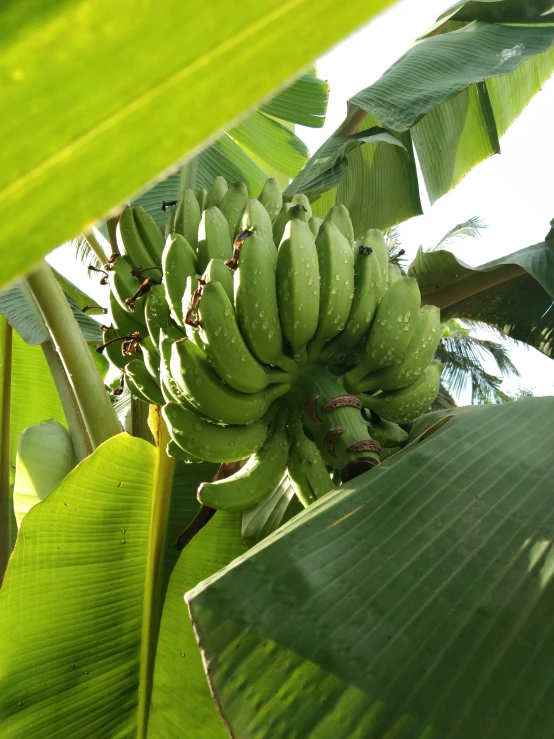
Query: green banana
pixel 401 406
pixel 375 240
pixel 141 383
pixel 302 200
pixel 205 391
pixel 129 241
pixel 218 271
pixel 187 217
pixel 174 450
pixel 202 197
pixel 214 241
pixel 306 467
pixel 150 235
pixel 156 312
pixel 225 346
pixel 151 357
pixel 122 320
pixel 256 218
pixel 178 263
pixel 315 224
pixel 288 213
pixel 271 197
pixel 391 331
pixel 419 352
pixel 174 393
pixel 124 286
pixel 340 216
pixel 336 285
pixel 256 479
pixel 233 204
pixel 114 350
pixel 394 273
pixel 209 441
pixel 388 434
pixel 367 293
pixel 217 191
pixel 256 302
pixel 297 278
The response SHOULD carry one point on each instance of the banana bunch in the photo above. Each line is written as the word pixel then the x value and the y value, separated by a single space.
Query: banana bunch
pixel 271 338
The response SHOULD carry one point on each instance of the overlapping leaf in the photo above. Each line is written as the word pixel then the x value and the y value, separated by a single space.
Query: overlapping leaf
pixel 452 96
pixel 416 603
pixel 515 293
pixel 131 94
pixel 117 655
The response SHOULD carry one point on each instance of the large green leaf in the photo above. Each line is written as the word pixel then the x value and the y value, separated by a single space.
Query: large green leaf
pixel 415 603
pixel 501 11
pixel 515 293
pixel 118 95
pixel 96 640
pixel 451 95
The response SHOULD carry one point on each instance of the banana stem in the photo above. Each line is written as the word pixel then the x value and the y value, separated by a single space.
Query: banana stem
pixel 90 394
pixel 77 430
pixel 352 122
pixel 111 224
pixel 6 378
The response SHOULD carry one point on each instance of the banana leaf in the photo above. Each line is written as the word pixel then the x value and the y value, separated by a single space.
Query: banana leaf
pixel 416 602
pixel 451 97
pixel 95 637
pixel 131 95
pixel 515 294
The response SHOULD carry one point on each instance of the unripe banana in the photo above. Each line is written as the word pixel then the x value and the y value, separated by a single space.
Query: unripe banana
pixel 419 352
pixel 306 467
pixel 218 271
pixel 122 320
pixel 124 286
pixel 151 358
pixel 388 434
pixel 141 383
pixel 340 216
pixel 209 441
pixel 225 346
pixel 129 242
pixel 391 331
pixel 302 200
pixel 233 204
pixel 113 349
pixel 288 213
pixel 187 217
pixel 367 293
pixel 315 224
pixel 178 263
pixel 150 235
pixel 174 450
pixel 156 312
pixel 297 277
pixel 256 302
pixel 175 394
pixel 217 191
pixel 271 197
pixel 214 241
pixel 336 285
pixel 256 479
pixel 394 273
pixel 375 240
pixel 401 406
pixel 205 390
pixel 202 197
pixel 256 218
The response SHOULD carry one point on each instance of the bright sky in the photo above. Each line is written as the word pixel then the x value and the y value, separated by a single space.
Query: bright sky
pixel 513 192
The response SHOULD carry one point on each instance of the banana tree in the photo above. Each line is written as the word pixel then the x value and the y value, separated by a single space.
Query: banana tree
pixel 412 602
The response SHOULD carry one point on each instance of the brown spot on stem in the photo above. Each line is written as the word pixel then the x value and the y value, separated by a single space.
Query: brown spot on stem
pixel 330 439
pixel 342 401
pixel 367 445
pixel 310 406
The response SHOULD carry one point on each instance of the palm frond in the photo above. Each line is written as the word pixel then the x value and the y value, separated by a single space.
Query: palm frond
pixel 467 229
pixel 463 357
pixel 495 333
pixel 444 400
pixel 84 251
